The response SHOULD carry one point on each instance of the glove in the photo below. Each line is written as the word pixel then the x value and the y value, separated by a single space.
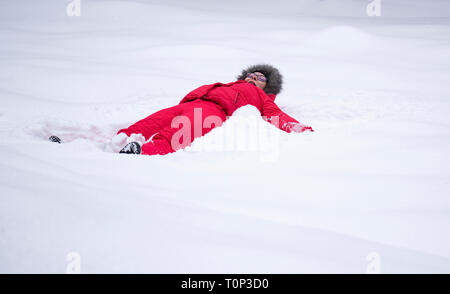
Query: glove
pixel 299 128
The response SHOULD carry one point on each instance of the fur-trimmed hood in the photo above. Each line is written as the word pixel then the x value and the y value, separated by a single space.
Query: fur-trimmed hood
pixel 274 78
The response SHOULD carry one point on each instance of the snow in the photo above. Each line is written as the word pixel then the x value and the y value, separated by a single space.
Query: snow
pixel 372 180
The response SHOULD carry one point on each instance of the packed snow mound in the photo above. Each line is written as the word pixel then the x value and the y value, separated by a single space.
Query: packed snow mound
pixel 244 133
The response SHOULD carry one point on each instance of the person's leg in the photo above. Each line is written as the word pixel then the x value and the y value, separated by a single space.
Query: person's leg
pixel 196 119
pixel 158 145
pixel 153 123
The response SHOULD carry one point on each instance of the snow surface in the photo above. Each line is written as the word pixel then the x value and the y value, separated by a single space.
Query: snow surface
pixel 374 177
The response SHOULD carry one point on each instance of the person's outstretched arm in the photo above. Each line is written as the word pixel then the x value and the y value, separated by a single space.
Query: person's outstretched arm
pixel 273 114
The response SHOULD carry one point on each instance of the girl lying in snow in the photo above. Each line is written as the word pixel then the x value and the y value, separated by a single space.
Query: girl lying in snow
pixel 205 108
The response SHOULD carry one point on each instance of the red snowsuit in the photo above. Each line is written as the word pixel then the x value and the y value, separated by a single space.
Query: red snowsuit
pixel 217 99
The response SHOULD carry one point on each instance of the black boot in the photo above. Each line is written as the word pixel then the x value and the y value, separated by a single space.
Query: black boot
pixel 131 148
pixel 54 139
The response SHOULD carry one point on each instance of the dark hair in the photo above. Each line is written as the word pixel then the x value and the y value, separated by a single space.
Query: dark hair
pixel 274 78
